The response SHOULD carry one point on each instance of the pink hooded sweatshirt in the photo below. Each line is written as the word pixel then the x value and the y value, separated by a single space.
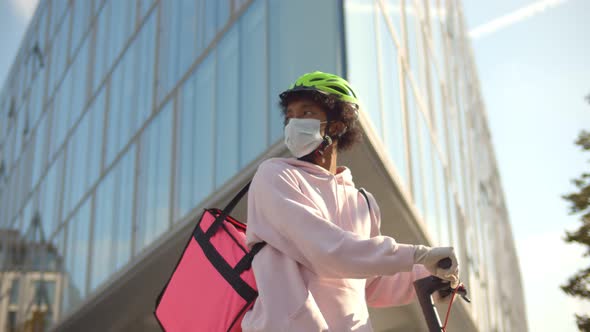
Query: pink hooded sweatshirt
pixel 325 259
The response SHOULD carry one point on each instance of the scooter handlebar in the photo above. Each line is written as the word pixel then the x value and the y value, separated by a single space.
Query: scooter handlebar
pixel 425 287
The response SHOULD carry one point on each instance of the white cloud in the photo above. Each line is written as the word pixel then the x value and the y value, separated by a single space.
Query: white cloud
pixel 394 10
pixel 514 17
pixel 25 8
pixel 546 262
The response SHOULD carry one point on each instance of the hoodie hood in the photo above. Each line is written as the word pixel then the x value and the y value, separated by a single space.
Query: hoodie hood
pixel 343 175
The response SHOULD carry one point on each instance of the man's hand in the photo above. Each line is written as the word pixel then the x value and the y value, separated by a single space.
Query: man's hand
pixel 430 257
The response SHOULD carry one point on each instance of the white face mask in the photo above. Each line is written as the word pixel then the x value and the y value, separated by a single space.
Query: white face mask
pixel 302 136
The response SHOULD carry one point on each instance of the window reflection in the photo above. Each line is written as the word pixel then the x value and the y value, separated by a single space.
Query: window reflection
pixel 131 91
pixel 414 43
pixel 153 194
pixel 50 197
pixel 364 56
pixel 390 97
pixel 429 212
pixel 59 53
pixel 76 257
pixel 454 222
pixel 61 111
pixel 226 143
pixel 102 40
pixel 144 6
pixel 78 85
pixel 81 18
pixel 113 220
pixel 76 166
pixel 415 153
pixel 210 27
pixel 145 57
pixel 194 172
pixel 253 83
pixel 441 191
pixel 223 12
pixel 102 239
pixel 96 114
pixel 124 213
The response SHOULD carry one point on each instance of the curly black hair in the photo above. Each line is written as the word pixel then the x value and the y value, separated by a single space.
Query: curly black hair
pixel 336 110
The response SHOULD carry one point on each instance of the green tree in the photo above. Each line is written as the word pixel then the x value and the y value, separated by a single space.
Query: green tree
pixel 579 284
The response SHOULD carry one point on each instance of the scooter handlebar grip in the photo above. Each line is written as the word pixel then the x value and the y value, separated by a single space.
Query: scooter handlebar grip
pixel 445 263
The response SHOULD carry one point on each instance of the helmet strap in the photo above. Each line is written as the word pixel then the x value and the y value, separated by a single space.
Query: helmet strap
pixel 326 142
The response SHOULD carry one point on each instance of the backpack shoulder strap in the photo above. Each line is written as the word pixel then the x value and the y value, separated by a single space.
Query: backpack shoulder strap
pixel 362 191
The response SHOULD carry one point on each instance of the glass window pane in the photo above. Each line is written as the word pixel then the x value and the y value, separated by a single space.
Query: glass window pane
pixel 454 223
pixel 50 201
pixel 79 76
pixel 58 244
pixel 145 58
pixel 226 156
pixel 286 59
pixel 362 53
pixel 113 116
pixel 117 31
pixel 441 190
pixel 96 114
pixel 223 12
pixel 153 194
pixel 76 263
pixel 205 125
pixel 97 5
pixel 45 289
pixel 415 151
pixel 414 46
pixel 124 224
pixel 253 83
pixel 76 165
pixel 439 112
pixel 128 102
pixel 102 41
pixel 144 6
pixel 390 96
pixel 167 48
pixel 14 291
pixel 456 158
pixel 210 20
pixel 194 173
pixel 187 143
pixel 429 210
pixel 61 111
pixel 104 217
pixel 81 19
pixel 187 30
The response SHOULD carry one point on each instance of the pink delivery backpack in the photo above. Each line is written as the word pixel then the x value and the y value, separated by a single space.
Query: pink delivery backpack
pixel 212 285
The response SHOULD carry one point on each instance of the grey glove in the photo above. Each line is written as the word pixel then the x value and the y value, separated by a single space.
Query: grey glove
pixel 429 257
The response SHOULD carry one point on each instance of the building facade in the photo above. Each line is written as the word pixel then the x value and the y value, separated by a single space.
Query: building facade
pixel 121 120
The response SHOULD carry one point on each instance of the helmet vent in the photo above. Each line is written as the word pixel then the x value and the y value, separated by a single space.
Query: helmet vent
pixel 339 89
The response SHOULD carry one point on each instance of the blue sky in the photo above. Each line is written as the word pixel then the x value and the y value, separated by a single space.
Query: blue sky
pixel 533 69
pixel 534 76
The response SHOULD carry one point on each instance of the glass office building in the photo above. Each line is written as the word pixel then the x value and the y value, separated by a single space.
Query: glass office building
pixel 121 120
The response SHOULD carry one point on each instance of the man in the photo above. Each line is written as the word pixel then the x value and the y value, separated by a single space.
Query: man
pixel 325 259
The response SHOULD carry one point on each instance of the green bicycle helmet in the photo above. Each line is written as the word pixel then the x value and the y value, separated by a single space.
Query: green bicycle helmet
pixel 324 83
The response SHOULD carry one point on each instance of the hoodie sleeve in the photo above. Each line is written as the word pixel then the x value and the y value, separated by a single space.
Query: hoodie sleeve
pixel 279 214
pixel 391 290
